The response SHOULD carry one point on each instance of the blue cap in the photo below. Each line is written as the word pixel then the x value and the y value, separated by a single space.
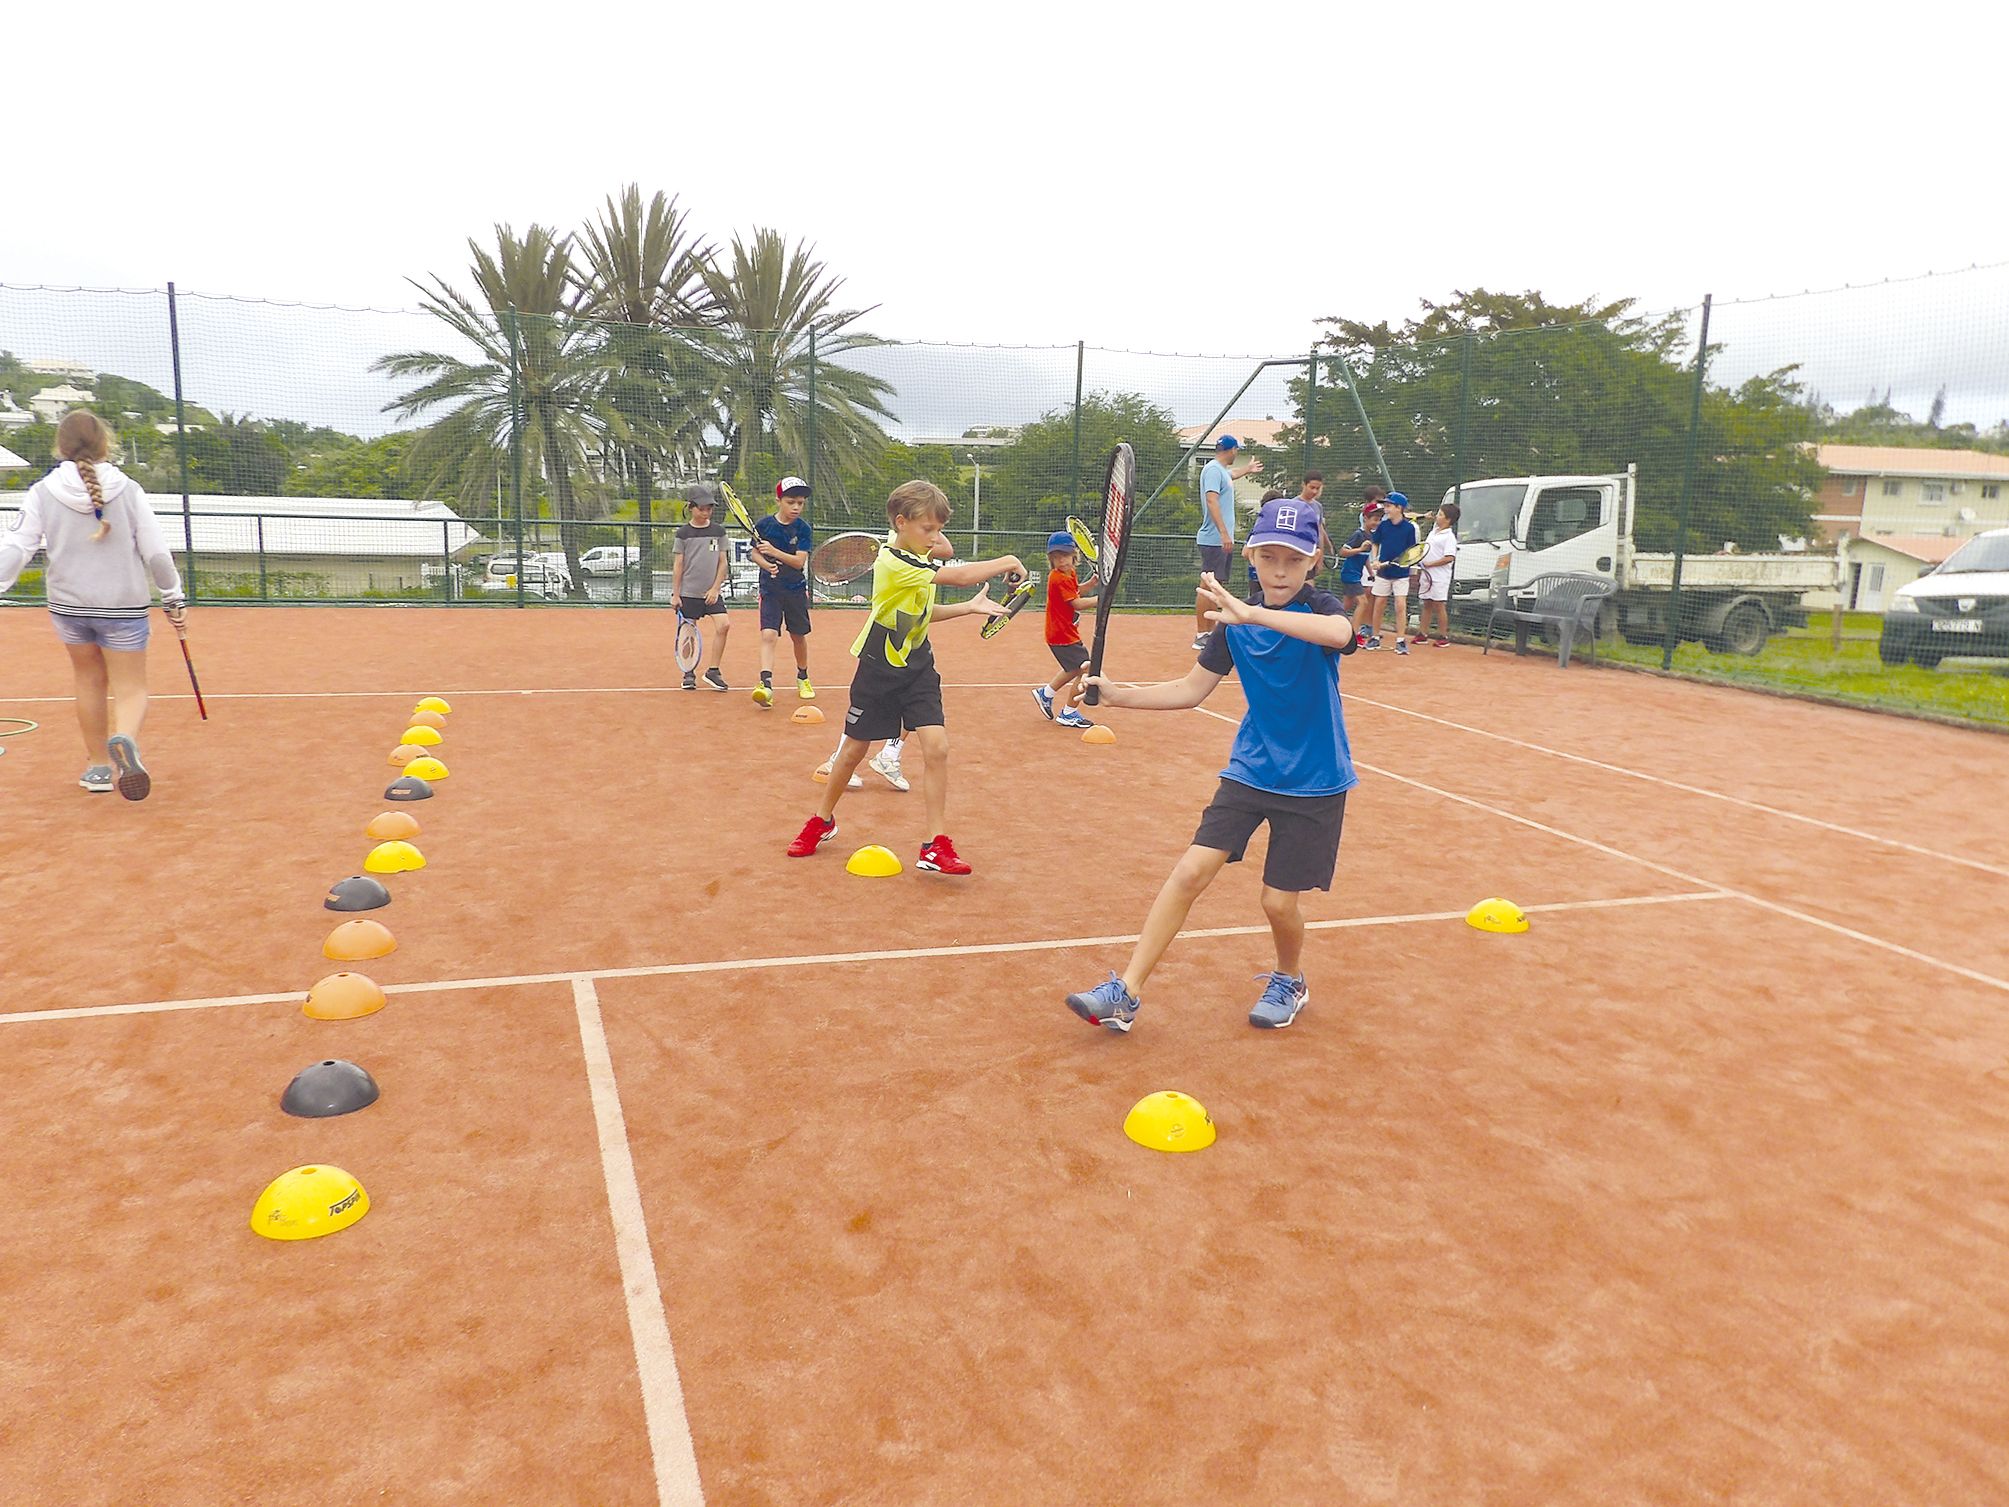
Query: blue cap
pixel 1395 500
pixel 1062 540
pixel 1289 522
pixel 1227 442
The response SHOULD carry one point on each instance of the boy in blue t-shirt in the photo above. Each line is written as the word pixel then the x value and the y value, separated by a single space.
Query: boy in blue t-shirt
pixel 781 550
pixel 1353 560
pixel 1392 538
pixel 1290 765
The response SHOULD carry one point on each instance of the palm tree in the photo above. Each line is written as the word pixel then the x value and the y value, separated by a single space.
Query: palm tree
pixel 518 322
pixel 770 299
pixel 643 283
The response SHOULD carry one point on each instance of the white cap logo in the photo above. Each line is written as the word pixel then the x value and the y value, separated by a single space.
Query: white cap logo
pixel 1287 520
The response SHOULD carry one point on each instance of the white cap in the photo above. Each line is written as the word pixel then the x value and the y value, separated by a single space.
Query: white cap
pixel 789 484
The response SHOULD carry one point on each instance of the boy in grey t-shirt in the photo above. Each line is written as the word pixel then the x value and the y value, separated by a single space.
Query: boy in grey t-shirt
pixel 697 580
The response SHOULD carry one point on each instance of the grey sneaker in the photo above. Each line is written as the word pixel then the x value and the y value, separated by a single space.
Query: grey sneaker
pixel 1109 1003
pixel 1044 697
pixel 1200 640
pixel 1401 645
pixel 716 681
pixel 690 680
pixel 133 781
pixel 97 779
pixel 1283 997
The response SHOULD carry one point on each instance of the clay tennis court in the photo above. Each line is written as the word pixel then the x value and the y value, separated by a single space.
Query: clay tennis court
pixel 704 1174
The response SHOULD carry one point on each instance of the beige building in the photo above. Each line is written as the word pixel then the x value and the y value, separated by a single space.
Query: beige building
pixel 1874 490
pixel 1880 563
pixel 51 403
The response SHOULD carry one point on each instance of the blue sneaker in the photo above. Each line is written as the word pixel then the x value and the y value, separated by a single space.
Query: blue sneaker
pixel 1045 699
pixel 1283 997
pixel 1072 718
pixel 133 780
pixel 1109 1004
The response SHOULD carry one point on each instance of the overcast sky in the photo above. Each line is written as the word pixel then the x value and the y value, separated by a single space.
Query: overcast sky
pixel 1170 177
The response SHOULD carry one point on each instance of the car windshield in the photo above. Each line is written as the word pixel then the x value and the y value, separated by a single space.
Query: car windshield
pixel 1486 514
pixel 1989 552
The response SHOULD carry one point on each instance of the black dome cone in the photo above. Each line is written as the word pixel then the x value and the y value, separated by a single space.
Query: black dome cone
pixel 327 1089
pixel 357 892
pixel 408 787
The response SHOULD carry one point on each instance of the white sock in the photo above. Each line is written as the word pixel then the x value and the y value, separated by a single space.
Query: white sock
pixel 891 753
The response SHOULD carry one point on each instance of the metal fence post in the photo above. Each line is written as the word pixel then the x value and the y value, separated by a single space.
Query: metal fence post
pixel 809 468
pixel 1687 491
pixel 1366 428
pixel 181 444
pixel 446 560
pixel 516 438
pixel 1074 473
pixel 1310 406
pixel 264 594
pixel 1464 415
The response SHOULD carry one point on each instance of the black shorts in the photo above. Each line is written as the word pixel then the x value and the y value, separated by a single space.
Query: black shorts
pixel 697 607
pixel 886 702
pixel 779 609
pixel 1215 560
pixel 1304 833
pixel 1070 657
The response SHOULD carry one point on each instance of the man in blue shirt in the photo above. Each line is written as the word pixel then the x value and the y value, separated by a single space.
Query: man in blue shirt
pixel 1216 537
pixel 781 550
pixel 1290 765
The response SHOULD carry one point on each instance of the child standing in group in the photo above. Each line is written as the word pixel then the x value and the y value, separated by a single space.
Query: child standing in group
pixel 1064 606
pixel 697 580
pixel 781 550
pixel 1290 765
pixel 1392 537
pixel 1353 561
pixel 1440 554
pixel 104 547
pixel 896 685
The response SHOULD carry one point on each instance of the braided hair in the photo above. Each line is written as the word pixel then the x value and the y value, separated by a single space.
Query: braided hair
pixel 85 438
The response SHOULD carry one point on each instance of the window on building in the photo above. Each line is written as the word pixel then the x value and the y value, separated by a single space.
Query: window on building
pixel 1876 580
pixel 1893 489
pixel 1990 491
pixel 1848 486
pixel 1932 491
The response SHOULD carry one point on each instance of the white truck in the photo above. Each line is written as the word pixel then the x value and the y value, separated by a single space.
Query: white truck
pixel 1527 526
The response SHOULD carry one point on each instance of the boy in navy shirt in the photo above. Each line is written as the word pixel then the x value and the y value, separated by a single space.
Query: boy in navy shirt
pixel 1393 537
pixel 781 550
pixel 1290 765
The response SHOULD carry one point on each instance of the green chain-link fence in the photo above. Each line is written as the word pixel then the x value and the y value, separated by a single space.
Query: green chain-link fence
pixel 1794 507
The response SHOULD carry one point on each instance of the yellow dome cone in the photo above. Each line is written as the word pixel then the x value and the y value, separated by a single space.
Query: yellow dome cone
pixel 422 737
pixel 873 862
pixel 1169 1121
pixel 309 1201
pixel 393 858
pixel 427 768
pixel 1496 914
pixel 434 704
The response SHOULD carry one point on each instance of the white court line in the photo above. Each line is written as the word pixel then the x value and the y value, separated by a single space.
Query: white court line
pixel 820 959
pixel 1673 873
pixel 1687 789
pixel 544 690
pixel 670 1447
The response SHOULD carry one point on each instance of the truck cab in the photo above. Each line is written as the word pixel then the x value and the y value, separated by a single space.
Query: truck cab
pixel 1541 524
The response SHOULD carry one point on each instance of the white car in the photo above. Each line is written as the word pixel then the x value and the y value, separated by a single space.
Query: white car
pixel 1958 608
pixel 610 559
pixel 540 577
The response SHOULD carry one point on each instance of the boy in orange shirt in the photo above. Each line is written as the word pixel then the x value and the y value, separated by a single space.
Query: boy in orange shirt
pixel 1064 606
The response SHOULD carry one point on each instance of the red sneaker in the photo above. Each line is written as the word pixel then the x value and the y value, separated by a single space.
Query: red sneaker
pixel 813 832
pixel 1442 643
pixel 940 857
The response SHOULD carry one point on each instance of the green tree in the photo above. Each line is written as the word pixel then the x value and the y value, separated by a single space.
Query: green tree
pixel 237 457
pixel 769 298
pixel 643 282
pixel 518 320
pixel 373 468
pixel 1036 486
pixel 1513 385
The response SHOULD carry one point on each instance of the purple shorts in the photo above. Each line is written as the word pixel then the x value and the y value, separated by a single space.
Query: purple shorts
pixel 122 635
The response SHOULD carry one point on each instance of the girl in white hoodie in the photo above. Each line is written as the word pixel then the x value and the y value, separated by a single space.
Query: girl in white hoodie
pixel 104 545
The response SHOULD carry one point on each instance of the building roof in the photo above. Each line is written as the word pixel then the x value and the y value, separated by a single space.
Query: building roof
pixel 63 393
pixel 1912 460
pixel 1262 432
pixel 9 460
pixel 300 526
pixel 1929 548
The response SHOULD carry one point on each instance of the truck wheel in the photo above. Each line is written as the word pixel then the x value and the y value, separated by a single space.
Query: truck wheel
pixel 1744 631
pixel 1928 659
pixel 1890 651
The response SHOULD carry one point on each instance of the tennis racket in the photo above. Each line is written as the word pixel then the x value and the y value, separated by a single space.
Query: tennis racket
pixel 736 510
pixel 181 636
pixel 844 558
pixel 1014 602
pixel 690 643
pixel 1119 491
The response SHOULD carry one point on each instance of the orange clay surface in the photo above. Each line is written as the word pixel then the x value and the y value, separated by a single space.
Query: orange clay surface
pixel 1693 1193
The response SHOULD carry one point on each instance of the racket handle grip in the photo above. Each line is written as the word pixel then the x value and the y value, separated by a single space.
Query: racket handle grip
pixel 1092 696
